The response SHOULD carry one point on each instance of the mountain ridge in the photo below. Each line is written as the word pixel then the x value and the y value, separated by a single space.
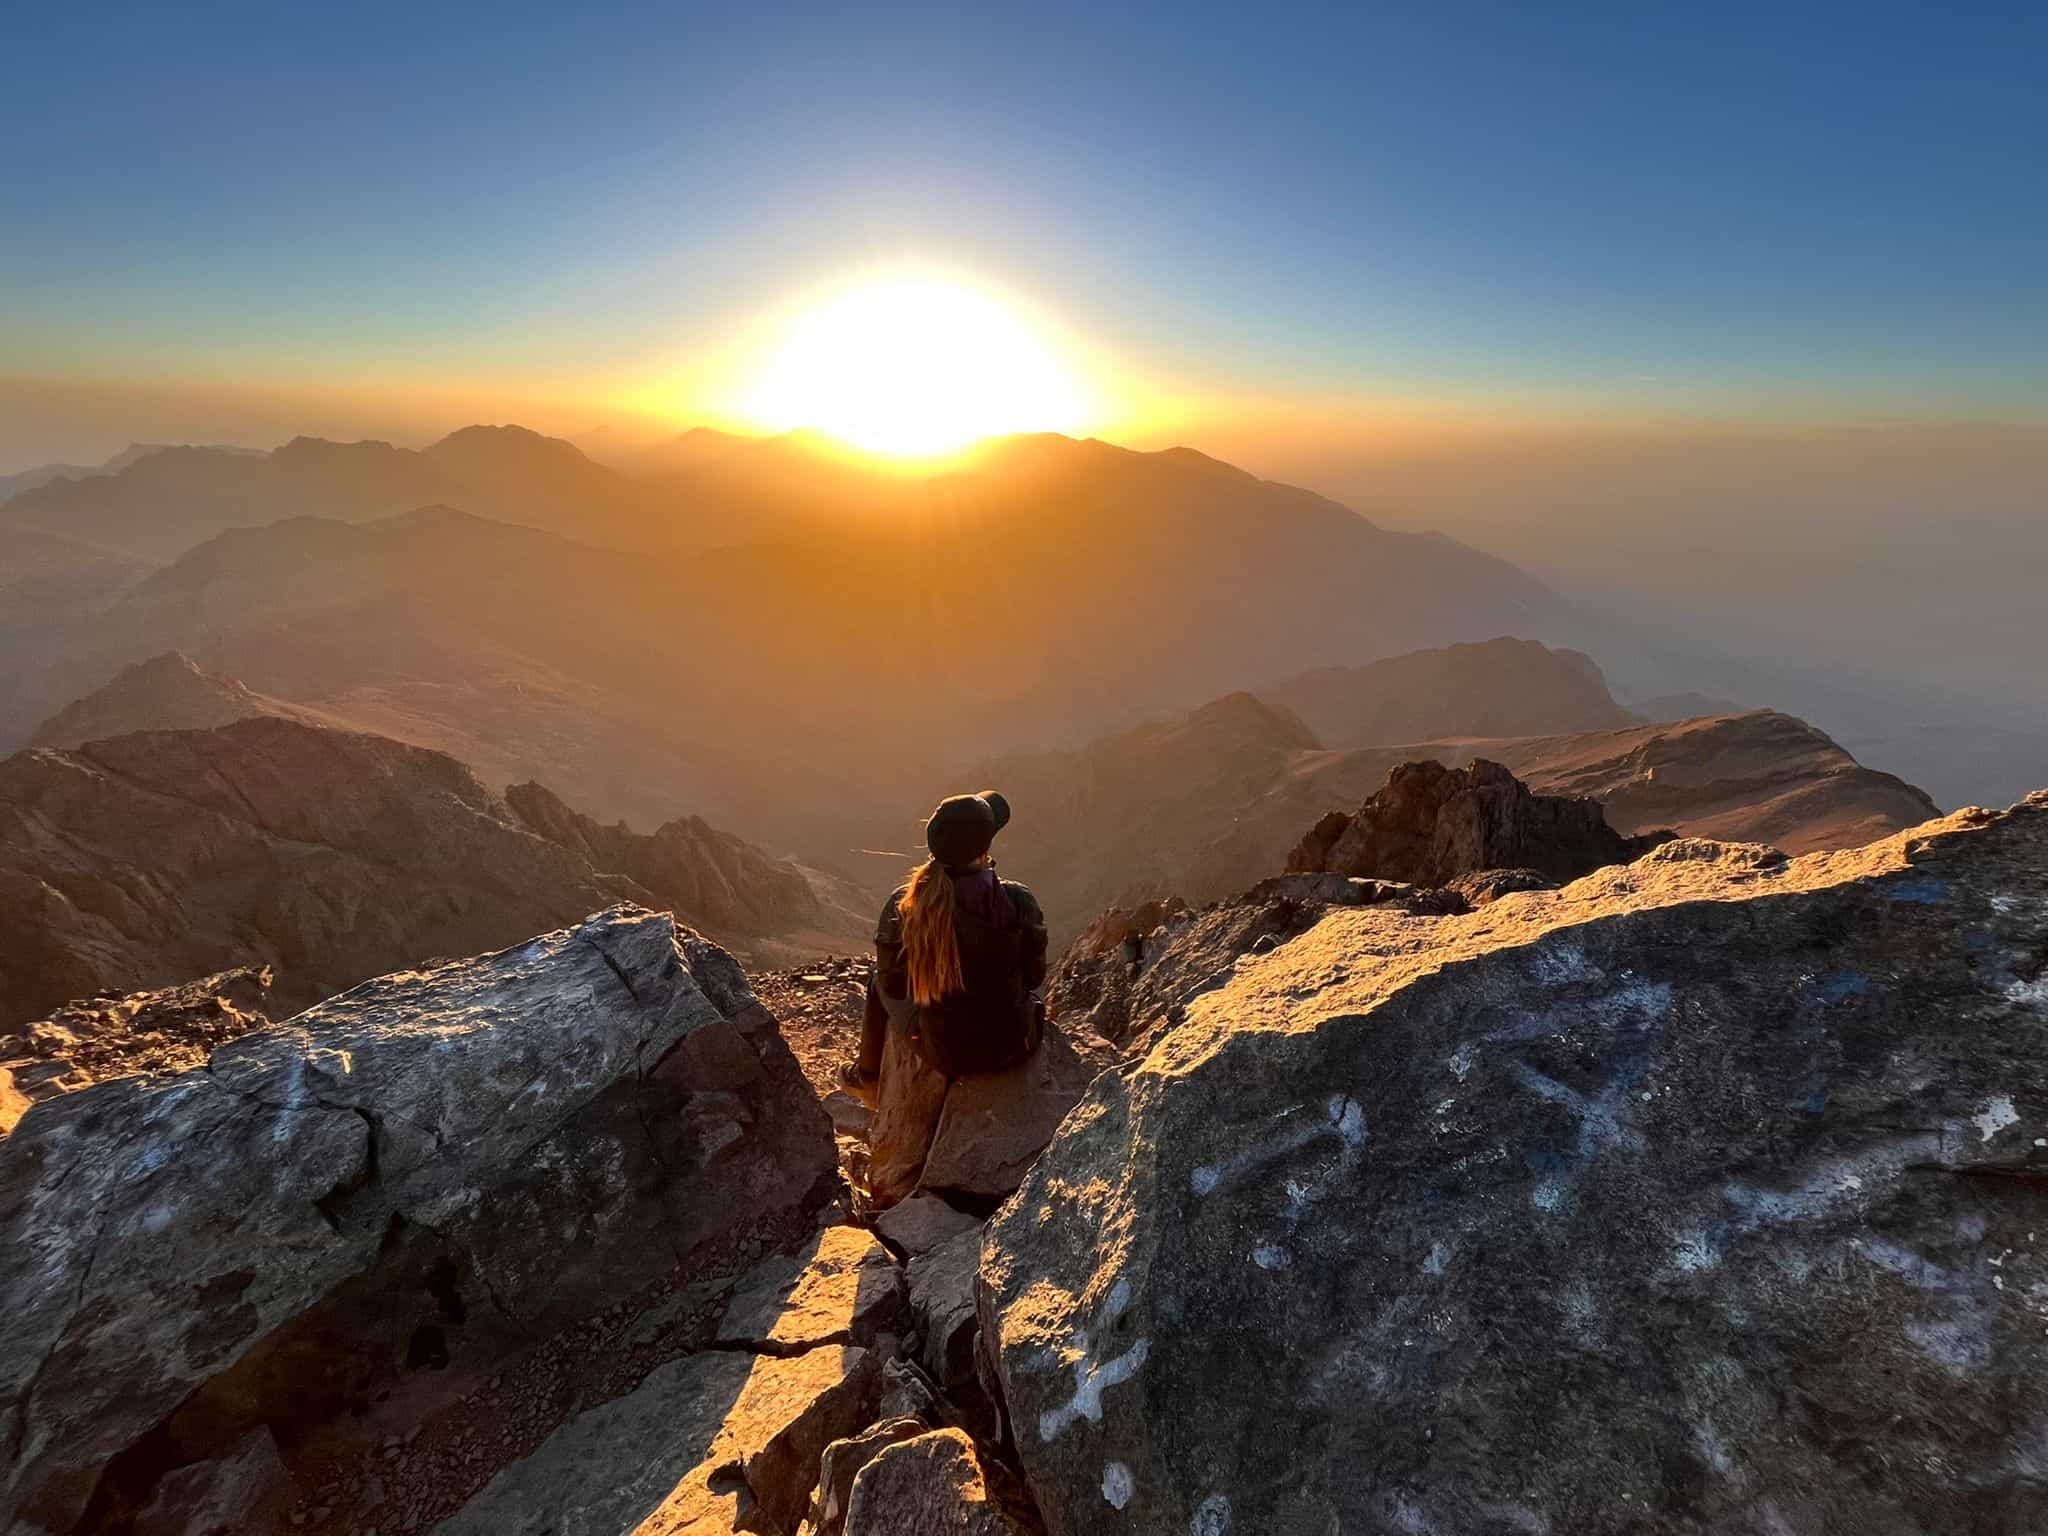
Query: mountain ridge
pixel 1207 804
pixel 330 855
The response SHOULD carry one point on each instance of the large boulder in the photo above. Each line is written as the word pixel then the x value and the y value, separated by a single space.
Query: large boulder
pixel 931 1485
pixel 972 1138
pixel 993 1127
pixel 396 1188
pixel 1707 1194
pixel 1431 824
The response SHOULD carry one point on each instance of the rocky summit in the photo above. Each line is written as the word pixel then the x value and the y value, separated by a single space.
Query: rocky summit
pixel 1703 1194
pixel 1706 1194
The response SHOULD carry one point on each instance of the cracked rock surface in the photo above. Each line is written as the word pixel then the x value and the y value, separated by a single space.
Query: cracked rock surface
pixel 388 1193
pixel 1708 1193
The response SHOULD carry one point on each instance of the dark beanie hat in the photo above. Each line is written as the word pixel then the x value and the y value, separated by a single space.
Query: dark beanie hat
pixel 963 826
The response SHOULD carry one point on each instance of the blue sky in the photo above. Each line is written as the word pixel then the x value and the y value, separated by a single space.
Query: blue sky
pixel 1657 209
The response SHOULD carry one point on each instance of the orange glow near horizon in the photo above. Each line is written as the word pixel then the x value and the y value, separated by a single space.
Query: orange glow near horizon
pixel 914 367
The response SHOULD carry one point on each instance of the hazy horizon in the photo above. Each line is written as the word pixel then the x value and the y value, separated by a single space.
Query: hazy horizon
pixel 1729 327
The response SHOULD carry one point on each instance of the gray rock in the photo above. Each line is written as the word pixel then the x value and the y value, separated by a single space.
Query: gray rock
pixel 817 1401
pixel 850 1117
pixel 844 1287
pixel 908 1393
pixel 431 1169
pixel 243 1490
pixel 843 1459
pixel 992 1128
pixel 922 1223
pixel 1703 1195
pixel 973 1137
pixel 1094 991
pixel 942 1304
pixel 933 1485
pixel 708 1443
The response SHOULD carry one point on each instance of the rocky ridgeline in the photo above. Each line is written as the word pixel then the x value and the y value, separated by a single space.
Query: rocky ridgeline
pixel 1706 1193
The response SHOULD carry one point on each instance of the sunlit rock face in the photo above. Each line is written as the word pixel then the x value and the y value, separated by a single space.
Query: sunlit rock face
pixel 1708 1193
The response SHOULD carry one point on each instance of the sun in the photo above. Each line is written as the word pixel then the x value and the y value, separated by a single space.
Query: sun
pixel 913 366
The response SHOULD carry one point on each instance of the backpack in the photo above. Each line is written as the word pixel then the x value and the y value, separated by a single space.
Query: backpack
pixel 992 1022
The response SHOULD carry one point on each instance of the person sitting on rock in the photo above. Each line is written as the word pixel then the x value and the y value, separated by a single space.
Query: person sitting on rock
pixel 960 955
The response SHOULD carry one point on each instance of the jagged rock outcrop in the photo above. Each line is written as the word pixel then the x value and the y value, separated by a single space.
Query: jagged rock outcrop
pixel 1101 986
pixel 1431 825
pixel 330 856
pixel 723 882
pixel 395 1189
pixel 1704 1194
pixel 169 1029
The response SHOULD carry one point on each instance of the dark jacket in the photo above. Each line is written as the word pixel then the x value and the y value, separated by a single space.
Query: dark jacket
pixel 995 1019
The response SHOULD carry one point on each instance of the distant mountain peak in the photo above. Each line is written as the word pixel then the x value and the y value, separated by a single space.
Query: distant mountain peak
pixel 168 692
pixel 1484 688
pixel 481 440
pixel 1245 712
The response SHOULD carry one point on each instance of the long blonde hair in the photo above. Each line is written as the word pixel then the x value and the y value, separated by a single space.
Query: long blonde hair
pixel 931 946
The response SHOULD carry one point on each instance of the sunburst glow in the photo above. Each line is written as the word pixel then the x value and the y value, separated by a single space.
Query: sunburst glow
pixel 914 366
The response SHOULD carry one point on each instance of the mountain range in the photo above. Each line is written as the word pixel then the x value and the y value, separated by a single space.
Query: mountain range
pixel 807 650
pixel 1203 805
pixel 1198 805
pixel 331 856
pixel 1048 592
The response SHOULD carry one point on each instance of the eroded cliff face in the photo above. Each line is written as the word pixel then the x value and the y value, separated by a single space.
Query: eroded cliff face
pixel 1708 1193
